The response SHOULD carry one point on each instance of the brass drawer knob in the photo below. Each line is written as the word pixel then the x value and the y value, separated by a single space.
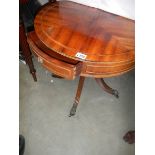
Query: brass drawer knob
pixel 40 60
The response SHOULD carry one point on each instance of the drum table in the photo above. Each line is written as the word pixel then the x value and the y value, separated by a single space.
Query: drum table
pixel 73 40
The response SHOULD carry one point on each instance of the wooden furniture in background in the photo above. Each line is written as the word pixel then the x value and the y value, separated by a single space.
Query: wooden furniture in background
pixel 27 11
pixel 26 51
pixel 73 40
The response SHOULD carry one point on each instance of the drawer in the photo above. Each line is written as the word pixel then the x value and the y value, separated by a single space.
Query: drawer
pixel 56 63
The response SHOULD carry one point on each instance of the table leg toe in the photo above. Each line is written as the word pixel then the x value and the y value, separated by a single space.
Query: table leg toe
pixel 115 93
pixel 73 110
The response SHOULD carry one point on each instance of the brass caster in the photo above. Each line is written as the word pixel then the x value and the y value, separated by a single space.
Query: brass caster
pixel 73 110
pixel 115 93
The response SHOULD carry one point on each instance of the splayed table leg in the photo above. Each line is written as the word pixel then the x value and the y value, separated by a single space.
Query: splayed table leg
pixel 77 98
pixel 106 88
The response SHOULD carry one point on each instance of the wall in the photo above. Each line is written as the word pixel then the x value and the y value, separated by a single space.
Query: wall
pixel 124 8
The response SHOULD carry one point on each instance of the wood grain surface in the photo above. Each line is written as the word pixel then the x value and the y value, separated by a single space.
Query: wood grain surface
pixel 64 28
pixel 68 27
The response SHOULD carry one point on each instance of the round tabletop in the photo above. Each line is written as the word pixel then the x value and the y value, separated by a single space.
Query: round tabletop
pixel 84 33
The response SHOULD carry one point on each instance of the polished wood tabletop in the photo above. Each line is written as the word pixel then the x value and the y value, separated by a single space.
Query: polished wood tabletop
pixel 102 41
pixel 69 28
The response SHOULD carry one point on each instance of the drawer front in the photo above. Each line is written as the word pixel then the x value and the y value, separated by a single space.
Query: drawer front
pixel 58 67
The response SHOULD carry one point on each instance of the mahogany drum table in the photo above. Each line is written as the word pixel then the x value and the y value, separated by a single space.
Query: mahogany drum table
pixel 73 40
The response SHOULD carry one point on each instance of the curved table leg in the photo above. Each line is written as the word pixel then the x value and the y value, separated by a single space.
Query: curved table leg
pixel 106 88
pixel 77 98
pixel 26 51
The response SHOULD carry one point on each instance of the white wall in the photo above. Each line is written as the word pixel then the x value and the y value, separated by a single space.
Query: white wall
pixel 43 1
pixel 124 8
